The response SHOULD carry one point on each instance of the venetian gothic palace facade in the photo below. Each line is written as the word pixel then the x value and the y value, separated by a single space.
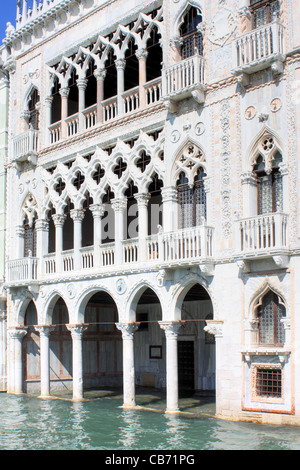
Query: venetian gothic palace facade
pixel 149 201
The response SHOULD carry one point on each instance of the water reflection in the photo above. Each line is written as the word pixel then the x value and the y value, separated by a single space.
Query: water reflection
pixel 130 429
pixel 28 423
pixel 175 432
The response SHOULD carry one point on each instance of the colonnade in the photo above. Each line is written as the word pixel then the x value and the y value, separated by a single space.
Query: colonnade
pixel 119 206
pixel 15 378
pixel 99 74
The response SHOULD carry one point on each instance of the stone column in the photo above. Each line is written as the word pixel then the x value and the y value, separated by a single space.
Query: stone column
pixel 44 331
pixel 215 327
pixel 16 336
pixel 171 331
pixel 48 111
pixel 100 75
pixel 64 93
pixel 170 208
pixel 249 194
pixel 77 332
pixel 120 66
pixel 81 84
pixel 59 220
pixel 20 241
pixel 119 206
pixel 77 216
pixel 97 211
pixel 142 201
pixel 142 54
pixel 128 330
pixel 42 236
pixel 3 347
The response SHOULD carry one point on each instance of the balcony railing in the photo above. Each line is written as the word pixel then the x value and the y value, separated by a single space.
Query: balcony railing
pixel 111 108
pixel 24 269
pixel 25 146
pixel 190 245
pixel 259 48
pixel 264 233
pixel 183 79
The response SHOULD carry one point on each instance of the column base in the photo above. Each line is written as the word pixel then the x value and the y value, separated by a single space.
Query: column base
pixel 128 407
pixel 170 412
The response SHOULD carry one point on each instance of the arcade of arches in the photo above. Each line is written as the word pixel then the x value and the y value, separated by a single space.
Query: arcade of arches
pixel 92 355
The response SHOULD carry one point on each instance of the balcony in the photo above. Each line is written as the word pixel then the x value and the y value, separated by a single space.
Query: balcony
pixel 164 250
pixel 264 235
pixel 183 80
pixel 25 147
pixel 111 109
pixel 258 50
pixel 22 270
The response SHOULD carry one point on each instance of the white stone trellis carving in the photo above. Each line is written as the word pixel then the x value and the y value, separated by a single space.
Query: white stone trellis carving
pixel 30 208
pixel 188 160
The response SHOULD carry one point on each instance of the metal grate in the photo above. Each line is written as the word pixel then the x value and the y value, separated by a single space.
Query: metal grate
pixel 269 382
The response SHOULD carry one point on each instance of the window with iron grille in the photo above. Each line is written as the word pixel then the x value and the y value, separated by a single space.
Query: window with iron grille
pixel 269 186
pixel 264 11
pixel 191 200
pixel 29 239
pixel 192 39
pixel 268 382
pixel 270 313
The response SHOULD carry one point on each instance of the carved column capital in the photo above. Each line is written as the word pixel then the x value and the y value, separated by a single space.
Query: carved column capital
pixel 97 210
pixel 58 219
pixel 100 74
pixel 42 224
pixel 127 329
pixel 215 327
pixel 77 330
pixel 120 64
pixel 119 204
pixel 77 214
pixel 44 330
pixel 16 333
pixel 171 328
pixel 142 199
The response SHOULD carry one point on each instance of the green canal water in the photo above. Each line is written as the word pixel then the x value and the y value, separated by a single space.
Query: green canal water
pixel 29 423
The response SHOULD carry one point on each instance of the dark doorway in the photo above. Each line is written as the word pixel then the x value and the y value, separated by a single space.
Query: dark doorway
pixel 186 368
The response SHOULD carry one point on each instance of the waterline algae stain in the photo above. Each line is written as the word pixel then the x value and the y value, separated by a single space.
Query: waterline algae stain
pixel 100 424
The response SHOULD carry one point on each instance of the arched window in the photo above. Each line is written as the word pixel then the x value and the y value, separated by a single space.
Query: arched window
pixel 264 11
pixel 269 180
pixel 56 102
pixel 191 38
pixel 269 315
pixel 33 107
pixel 73 94
pixel 191 200
pixel 29 238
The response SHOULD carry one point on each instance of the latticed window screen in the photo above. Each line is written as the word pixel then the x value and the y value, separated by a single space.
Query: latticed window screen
pixel 268 382
pixel 264 12
pixel 192 39
pixel 29 240
pixel 191 200
pixel 269 186
pixel 271 312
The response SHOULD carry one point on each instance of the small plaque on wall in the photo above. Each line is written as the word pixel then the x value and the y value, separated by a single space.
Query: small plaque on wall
pixel 155 352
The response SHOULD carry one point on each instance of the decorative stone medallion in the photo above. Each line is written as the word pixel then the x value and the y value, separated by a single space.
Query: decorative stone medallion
pixel 121 286
pixel 250 112
pixel 275 105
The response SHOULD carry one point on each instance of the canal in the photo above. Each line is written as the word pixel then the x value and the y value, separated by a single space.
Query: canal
pixel 99 423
